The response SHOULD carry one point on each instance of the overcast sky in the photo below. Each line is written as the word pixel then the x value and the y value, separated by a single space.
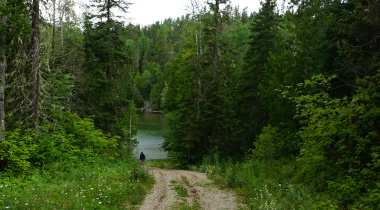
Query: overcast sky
pixel 146 12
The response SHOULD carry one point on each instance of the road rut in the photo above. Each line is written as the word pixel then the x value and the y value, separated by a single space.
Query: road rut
pixel 201 193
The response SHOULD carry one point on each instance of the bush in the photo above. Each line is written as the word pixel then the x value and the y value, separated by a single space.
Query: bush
pixel 72 139
pixel 97 183
pixel 17 149
pixel 266 184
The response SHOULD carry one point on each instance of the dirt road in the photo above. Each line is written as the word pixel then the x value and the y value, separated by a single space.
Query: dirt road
pixel 176 188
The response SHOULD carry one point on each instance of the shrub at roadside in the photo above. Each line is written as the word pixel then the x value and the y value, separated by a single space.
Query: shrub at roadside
pixel 72 139
pixel 265 185
pixel 97 183
pixel 69 164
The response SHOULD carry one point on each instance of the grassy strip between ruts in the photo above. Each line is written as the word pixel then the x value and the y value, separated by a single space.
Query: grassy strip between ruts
pixel 181 190
pixel 182 193
pixel 98 183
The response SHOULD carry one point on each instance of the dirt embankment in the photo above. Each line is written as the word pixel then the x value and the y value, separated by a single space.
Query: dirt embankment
pixel 175 188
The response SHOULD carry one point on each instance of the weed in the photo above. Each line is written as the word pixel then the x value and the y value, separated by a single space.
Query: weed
pixel 187 183
pixel 163 164
pixel 264 186
pixel 181 190
pixel 99 183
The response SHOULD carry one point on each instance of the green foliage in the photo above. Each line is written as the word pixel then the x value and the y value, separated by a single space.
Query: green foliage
pixel 266 147
pixel 74 138
pixel 106 10
pixel 157 95
pixel 71 139
pixel 339 137
pixel 106 77
pixel 96 183
pixel 17 149
pixel 266 184
pixel 144 83
pixel 60 86
pixel 251 107
pixel 164 164
pixel 181 190
pixel 217 75
pixel 182 116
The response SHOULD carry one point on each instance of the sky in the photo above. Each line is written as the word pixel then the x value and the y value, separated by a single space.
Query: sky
pixel 146 12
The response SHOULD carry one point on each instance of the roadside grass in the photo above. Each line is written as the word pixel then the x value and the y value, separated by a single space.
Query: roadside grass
pixel 98 183
pixel 163 164
pixel 267 185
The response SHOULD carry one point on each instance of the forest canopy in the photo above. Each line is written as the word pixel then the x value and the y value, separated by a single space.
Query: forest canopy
pixel 298 82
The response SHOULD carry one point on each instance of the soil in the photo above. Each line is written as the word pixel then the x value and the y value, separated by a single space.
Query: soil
pixel 201 193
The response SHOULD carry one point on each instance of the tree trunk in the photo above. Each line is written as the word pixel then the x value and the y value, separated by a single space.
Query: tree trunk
pixel 306 62
pixel 130 131
pixel 199 53
pixel 62 8
pixel 53 39
pixel 35 73
pixel 216 37
pixel 199 70
pixel 3 66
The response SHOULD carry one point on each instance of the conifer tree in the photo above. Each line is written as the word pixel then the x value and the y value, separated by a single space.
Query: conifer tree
pixel 3 66
pixel 108 81
pixel 263 32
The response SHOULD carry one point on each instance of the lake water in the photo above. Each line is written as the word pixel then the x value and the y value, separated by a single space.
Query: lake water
pixel 151 129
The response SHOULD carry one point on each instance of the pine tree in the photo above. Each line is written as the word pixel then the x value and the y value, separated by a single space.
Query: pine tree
pixel 263 32
pixel 107 81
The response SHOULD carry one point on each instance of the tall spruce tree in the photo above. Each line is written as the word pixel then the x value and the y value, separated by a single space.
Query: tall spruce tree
pixel 108 81
pixel 202 88
pixel 214 21
pixel 263 33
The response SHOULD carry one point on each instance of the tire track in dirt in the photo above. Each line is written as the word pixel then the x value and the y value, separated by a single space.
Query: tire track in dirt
pixel 199 188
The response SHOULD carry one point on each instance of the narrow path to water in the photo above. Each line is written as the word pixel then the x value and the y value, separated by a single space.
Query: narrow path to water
pixel 151 129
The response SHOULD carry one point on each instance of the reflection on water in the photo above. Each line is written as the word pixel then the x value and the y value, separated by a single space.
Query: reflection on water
pixel 151 129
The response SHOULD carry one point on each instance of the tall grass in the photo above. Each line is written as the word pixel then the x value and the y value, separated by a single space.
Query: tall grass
pixel 98 183
pixel 265 185
pixel 163 164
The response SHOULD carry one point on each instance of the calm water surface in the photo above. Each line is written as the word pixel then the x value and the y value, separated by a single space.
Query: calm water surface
pixel 151 129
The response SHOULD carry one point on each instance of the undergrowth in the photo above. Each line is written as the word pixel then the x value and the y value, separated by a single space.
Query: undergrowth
pixel 163 164
pixel 264 185
pixel 97 183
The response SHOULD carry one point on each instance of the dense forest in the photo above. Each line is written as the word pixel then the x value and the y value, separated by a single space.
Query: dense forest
pixel 297 82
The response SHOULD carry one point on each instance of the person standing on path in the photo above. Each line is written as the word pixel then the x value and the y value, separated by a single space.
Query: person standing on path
pixel 142 158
